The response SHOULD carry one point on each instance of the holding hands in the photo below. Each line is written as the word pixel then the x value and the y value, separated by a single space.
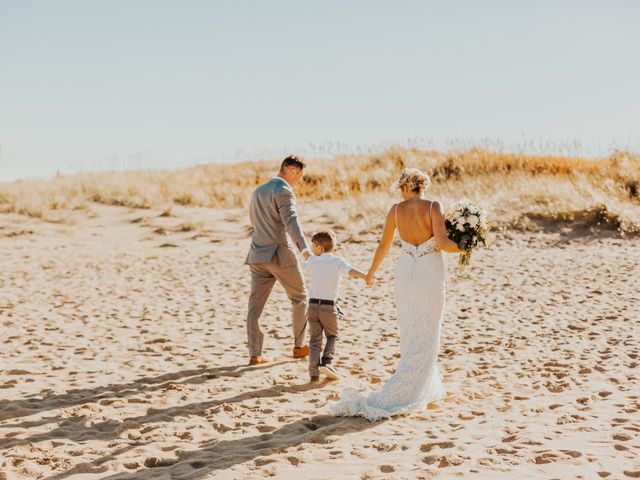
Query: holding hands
pixel 358 274
pixel 370 278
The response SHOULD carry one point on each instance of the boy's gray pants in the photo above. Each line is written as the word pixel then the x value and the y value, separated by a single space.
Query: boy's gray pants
pixel 321 318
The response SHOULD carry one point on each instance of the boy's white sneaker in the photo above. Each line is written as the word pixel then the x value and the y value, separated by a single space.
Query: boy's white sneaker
pixel 330 372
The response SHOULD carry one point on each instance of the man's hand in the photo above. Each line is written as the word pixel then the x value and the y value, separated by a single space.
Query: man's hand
pixel 306 255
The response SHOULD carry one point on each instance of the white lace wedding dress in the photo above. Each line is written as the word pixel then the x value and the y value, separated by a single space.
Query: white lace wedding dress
pixel 419 296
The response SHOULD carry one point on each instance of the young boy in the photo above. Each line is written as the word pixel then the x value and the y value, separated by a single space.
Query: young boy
pixel 325 272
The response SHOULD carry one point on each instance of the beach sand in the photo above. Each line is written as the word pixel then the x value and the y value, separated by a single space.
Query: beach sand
pixel 124 357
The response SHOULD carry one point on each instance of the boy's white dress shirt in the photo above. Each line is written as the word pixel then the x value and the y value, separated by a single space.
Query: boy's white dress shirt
pixel 325 272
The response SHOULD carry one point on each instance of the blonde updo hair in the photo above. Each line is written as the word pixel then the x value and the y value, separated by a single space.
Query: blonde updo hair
pixel 414 179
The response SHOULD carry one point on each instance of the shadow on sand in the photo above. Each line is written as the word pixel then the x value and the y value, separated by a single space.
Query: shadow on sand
pixel 76 429
pixel 33 406
pixel 227 453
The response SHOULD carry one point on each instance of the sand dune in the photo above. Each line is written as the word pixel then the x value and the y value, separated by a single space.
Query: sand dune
pixel 123 357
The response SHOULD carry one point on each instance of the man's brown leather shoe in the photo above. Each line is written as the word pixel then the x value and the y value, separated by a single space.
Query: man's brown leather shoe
pixel 300 352
pixel 256 360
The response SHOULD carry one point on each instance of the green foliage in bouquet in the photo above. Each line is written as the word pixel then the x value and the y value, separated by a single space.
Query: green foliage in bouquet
pixel 467 226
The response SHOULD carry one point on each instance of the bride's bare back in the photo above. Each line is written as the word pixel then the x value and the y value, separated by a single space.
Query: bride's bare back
pixel 413 220
pixel 417 221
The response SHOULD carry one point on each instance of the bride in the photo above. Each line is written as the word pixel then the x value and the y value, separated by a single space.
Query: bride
pixel 419 297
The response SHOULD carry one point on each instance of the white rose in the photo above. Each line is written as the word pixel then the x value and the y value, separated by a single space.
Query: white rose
pixel 460 227
pixel 473 221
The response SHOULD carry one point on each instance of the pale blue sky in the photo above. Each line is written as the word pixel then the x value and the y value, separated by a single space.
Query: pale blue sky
pixel 106 84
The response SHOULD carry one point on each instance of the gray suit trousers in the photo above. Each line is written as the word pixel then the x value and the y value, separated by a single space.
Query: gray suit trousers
pixel 263 277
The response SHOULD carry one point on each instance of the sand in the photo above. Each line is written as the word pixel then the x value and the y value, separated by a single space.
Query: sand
pixel 123 357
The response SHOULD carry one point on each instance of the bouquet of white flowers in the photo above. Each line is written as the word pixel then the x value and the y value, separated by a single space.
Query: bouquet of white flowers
pixel 467 226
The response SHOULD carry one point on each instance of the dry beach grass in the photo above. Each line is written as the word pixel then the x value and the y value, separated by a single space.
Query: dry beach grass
pixel 123 354
pixel 517 189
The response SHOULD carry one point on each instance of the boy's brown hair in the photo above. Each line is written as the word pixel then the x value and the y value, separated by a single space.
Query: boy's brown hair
pixel 326 239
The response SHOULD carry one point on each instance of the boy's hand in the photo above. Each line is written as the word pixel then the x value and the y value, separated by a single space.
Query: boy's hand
pixel 356 274
pixel 370 279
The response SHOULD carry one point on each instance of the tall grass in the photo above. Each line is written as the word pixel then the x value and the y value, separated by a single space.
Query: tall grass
pixel 507 184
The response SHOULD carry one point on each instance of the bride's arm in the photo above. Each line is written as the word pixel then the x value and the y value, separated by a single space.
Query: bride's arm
pixel 440 231
pixel 383 247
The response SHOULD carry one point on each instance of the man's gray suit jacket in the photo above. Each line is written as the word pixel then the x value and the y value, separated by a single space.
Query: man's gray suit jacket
pixel 273 214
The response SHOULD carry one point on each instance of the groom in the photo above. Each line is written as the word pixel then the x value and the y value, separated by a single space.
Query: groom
pixel 271 257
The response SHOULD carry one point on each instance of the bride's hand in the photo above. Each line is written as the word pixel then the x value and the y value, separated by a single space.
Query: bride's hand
pixel 370 279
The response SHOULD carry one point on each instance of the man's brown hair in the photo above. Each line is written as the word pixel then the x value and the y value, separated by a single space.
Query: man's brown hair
pixel 293 161
pixel 326 239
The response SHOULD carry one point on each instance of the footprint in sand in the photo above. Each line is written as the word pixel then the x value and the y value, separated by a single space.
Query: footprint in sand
pixel 261 462
pixel 426 447
pixel 505 451
pixel 18 372
pixel 545 458
pixel 221 428
pixel 572 453
pixel 153 462
pixel 452 461
pixel 266 428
